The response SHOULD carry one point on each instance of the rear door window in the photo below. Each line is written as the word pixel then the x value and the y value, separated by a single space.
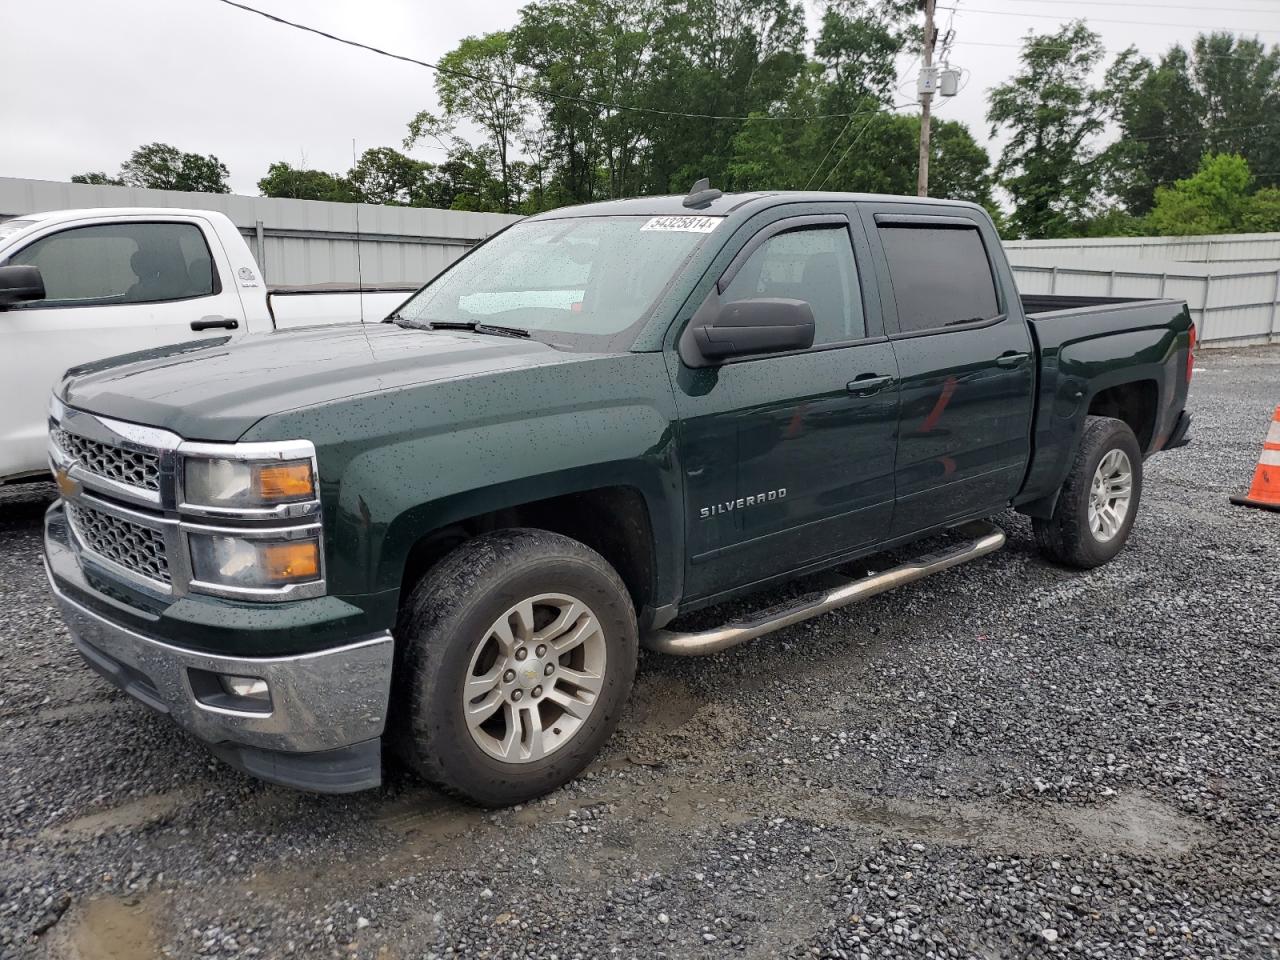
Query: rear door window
pixel 941 276
pixel 121 263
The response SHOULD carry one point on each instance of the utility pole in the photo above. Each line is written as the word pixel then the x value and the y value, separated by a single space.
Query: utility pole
pixel 926 97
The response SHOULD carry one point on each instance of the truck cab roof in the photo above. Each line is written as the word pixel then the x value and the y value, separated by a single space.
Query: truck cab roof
pixel 82 213
pixel 726 204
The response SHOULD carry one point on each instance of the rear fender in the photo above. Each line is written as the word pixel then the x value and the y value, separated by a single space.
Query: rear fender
pixel 1074 374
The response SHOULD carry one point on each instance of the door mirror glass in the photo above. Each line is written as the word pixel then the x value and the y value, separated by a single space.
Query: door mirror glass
pixel 19 284
pixel 744 328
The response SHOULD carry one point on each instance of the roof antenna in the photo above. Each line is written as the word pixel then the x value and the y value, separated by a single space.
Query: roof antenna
pixel 359 260
pixel 701 194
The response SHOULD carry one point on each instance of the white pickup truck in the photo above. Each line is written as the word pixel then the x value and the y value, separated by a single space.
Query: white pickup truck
pixel 82 285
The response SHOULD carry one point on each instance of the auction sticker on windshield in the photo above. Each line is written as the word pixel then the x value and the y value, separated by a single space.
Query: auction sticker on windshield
pixel 683 224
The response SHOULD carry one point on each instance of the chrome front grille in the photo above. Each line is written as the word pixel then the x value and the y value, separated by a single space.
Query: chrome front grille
pixel 127 515
pixel 135 547
pixel 130 467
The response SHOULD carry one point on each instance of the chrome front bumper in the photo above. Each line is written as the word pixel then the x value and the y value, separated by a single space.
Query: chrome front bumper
pixel 321 703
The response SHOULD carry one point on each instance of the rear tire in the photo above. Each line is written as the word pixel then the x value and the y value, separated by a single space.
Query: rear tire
pixel 1099 500
pixel 489 708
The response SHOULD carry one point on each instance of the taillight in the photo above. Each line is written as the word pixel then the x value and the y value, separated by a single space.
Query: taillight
pixel 1191 351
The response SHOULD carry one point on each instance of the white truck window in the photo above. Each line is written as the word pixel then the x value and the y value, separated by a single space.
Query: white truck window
pixel 122 263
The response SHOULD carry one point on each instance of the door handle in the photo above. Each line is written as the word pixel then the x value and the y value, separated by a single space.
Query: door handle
pixel 1012 359
pixel 868 384
pixel 212 323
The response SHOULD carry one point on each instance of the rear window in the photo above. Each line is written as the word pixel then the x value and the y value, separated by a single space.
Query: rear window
pixel 941 276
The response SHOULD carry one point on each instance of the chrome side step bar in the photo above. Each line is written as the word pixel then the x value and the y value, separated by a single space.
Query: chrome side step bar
pixel 985 538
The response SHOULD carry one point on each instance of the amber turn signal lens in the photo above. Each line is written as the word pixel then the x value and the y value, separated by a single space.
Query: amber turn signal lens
pixel 287 562
pixel 285 481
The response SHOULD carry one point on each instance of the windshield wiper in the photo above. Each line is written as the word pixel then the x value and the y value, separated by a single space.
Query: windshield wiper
pixel 401 321
pixel 475 326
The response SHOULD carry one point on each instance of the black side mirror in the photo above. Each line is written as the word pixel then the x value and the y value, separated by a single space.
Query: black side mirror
pixel 743 328
pixel 18 284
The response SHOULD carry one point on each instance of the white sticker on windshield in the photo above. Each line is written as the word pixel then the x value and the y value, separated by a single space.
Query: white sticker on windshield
pixel 683 224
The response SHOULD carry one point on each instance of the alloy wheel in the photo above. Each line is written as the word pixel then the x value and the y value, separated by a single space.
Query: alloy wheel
pixel 1110 494
pixel 535 678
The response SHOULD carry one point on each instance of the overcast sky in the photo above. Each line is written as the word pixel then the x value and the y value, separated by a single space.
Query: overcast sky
pixel 88 81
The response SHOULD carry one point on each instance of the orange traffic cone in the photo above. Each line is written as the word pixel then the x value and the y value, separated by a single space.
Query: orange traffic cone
pixel 1265 491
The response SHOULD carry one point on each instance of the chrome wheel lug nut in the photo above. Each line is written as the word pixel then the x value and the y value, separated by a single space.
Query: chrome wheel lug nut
pixel 509 676
pixel 550 669
pixel 542 649
pixel 537 691
pixel 522 653
pixel 517 695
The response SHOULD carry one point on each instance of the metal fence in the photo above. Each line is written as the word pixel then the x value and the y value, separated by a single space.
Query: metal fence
pixel 296 241
pixel 1225 248
pixel 1233 304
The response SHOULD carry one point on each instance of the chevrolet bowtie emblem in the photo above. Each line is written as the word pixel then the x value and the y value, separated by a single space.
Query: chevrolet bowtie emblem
pixel 68 485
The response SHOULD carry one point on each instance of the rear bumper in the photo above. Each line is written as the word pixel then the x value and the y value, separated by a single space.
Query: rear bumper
pixel 320 730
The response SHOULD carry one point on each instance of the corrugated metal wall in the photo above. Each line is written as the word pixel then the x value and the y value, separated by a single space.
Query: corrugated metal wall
pixel 1225 248
pixel 1233 304
pixel 296 241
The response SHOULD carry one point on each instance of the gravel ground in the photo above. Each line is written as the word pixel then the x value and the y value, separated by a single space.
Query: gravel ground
pixel 1008 759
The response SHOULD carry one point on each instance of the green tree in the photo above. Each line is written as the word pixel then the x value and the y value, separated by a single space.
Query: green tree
pixel 1052 114
pixel 387 176
pixel 856 46
pixel 98 177
pixel 1239 80
pixel 580 52
pixel 723 58
pixel 1221 96
pixel 480 81
pixel 1113 221
pixel 163 167
pixel 298 183
pixel 1161 114
pixel 1215 200
pixel 1262 215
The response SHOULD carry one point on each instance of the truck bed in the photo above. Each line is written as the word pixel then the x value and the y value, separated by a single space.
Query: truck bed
pixel 1039 305
pixel 293 306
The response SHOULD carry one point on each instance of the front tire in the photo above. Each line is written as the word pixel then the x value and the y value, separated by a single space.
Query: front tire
pixel 518 650
pixel 1099 500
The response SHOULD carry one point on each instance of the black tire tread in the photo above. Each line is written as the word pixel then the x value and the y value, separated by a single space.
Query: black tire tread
pixel 1064 537
pixel 442 597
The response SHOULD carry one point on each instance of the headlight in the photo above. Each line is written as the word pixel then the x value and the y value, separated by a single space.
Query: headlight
pixel 247 483
pixel 247 563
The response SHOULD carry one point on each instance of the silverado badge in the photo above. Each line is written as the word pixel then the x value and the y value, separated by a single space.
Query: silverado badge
pixel 742 503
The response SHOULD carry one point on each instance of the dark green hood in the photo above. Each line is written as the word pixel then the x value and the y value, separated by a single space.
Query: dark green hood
pixel 217 389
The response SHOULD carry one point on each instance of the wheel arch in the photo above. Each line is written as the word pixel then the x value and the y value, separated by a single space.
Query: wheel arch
pixel 616 519
pixel 1134 402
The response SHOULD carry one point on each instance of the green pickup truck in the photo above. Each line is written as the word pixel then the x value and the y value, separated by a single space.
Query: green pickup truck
pixel 450 533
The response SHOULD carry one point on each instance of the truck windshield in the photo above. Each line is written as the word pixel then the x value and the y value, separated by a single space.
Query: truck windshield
pixel 585 282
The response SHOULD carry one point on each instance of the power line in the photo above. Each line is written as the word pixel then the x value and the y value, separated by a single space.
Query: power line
pixel 1067 46
pixel 1145 6
pixel 856 138
pixel 834 141
pixel 523 88
pixel 1206 131
pixel 1139 23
